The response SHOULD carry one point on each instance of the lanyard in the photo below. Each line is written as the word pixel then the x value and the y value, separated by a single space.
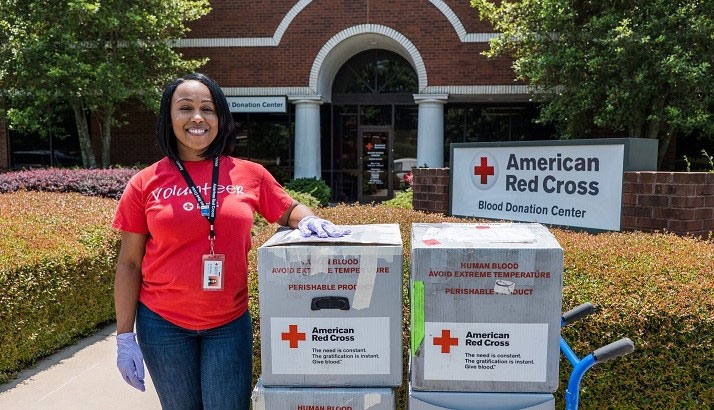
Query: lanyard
pixel 207 211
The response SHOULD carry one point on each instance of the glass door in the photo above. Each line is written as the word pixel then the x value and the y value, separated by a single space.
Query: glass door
pixel 375 164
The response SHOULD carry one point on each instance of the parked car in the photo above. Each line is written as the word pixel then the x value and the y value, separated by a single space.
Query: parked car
pixel 402 166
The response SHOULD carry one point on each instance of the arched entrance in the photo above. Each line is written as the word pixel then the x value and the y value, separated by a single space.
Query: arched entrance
pixel 373 126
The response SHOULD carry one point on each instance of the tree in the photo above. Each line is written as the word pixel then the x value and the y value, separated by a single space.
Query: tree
pixel 639 67
pixel 92 55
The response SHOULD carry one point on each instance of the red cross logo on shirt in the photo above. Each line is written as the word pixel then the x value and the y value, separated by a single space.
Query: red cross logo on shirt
pixel 446 341
pixel 484 170
pixel 293 336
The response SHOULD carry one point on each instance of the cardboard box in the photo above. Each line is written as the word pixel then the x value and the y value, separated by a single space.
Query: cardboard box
pixel 322 398
pixel 486 306
pixel 429 400
pixel 331 309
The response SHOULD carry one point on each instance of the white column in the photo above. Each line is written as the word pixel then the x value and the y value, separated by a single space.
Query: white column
pixel 430 131
pixel 307 136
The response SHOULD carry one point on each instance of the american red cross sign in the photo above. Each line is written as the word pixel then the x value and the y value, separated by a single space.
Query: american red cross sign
pixel 446 341
pixel 484 170
pixel 293 336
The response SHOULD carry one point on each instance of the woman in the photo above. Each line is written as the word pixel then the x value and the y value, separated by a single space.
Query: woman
pixel 182 268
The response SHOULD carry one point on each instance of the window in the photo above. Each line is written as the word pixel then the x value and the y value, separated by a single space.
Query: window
pixel 492 122
pixel 266 139
pixel 376 72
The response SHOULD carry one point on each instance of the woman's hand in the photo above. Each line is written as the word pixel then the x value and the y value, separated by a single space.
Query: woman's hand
pixel 130 361
pixel 323 228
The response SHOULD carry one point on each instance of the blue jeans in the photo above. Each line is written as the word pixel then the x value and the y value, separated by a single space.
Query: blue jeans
pixel 197 369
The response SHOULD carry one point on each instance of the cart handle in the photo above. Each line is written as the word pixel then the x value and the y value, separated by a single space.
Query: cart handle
pixel 613 350
pixel 603 354
pixel 577 313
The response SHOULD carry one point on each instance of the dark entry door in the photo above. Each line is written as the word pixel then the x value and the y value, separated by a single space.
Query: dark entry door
pixel 375 164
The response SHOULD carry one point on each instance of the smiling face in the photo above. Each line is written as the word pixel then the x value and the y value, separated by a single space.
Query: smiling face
pixel 194 119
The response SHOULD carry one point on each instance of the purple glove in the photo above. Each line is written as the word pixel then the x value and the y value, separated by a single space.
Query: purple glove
pixel 130 361
pixel 322 228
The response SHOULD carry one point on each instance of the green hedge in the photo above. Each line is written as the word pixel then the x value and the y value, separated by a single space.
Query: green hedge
pixel 305 199
pixel 56 273
pixel 402 199
pixel 656 289
pixel 317 188
pixel 58 256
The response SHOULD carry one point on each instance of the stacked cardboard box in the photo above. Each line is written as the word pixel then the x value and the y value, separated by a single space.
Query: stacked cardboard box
pixel 330 319
pixel 485 325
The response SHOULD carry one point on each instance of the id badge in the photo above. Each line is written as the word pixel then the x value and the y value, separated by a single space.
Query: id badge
pixel 213 271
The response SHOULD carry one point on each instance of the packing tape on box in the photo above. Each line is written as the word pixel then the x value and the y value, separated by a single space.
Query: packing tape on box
pixel 369 256
pixel 368 274
pixel 259 398
pixel 371 400
pixel 315 257
pixel 491 233
pixel 417 315
pixel 320 260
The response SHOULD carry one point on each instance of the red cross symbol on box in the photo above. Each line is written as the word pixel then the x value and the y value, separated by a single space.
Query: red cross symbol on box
pixel 484 170
pixel 446 341
pixel 293 336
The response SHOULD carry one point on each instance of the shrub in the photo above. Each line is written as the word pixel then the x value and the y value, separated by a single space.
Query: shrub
pixel 58 257
pixel 402 199
pixel 303 198
pixel 313 186
pixel 654 288
pixel 56 273
pixel 108 183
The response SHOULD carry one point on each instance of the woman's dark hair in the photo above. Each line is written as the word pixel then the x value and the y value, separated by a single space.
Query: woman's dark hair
pixel 226 136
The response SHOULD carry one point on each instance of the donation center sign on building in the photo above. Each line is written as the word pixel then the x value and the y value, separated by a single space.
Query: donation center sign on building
pixel 576 185
pixel 257 104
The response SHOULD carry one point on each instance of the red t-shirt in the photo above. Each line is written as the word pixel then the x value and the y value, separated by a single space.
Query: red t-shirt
pixel 158 202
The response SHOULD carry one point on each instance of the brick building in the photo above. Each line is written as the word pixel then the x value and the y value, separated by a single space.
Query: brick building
pixel 354 92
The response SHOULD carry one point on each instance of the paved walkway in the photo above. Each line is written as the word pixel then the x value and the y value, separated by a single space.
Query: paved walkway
pixel 83 376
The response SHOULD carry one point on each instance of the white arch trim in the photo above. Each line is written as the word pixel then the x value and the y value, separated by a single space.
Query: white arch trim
pixel 458 27
pixel 356 39
pixel 487 92
pixel 274 41
pixel 248 41
pixel 493 89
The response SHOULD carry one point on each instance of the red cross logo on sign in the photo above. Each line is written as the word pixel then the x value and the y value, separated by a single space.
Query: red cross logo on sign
pixel 369 146
pixel 446 341
pixel 293 336
pixel 484 170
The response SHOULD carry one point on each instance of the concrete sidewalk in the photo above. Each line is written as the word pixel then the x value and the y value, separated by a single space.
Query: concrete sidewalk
pixel 83 376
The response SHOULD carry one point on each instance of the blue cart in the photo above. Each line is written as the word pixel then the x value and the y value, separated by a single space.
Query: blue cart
pixel 580 366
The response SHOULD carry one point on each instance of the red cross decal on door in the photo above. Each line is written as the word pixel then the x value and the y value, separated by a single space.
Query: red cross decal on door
pixel 484 170
pixel 446 341
pixel 293 336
